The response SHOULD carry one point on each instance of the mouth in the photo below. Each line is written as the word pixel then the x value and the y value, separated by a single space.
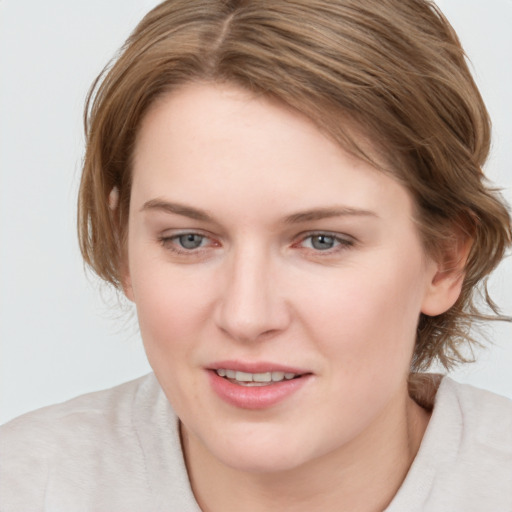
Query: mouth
pixel 256 379
pixel 257 384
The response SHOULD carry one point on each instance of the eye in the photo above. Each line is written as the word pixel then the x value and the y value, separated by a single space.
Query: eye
pixel 190 240
pixel 322 242
pixel 325 242
pixel 186 243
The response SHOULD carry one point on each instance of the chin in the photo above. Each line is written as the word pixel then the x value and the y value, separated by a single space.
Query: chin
pixel 263 453
pixel 258 461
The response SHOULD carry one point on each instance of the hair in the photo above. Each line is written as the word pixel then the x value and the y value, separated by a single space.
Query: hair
pixel 393 70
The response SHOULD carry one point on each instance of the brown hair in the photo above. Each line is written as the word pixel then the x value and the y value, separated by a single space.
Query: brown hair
pixel 392 68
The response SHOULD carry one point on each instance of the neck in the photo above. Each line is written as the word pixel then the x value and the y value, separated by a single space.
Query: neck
pixel 362 476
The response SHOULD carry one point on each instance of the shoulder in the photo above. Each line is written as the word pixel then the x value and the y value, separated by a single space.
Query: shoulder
pixel 465 459
pixel 63 452
pixel 82 416
pixel 485 418
pixel 473 429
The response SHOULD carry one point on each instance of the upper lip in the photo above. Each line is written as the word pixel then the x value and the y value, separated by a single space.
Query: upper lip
pixel 256 367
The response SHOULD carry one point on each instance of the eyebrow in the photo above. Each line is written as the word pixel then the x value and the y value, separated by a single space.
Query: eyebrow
pixel 178 209
pixel 326 213
pixel 295 218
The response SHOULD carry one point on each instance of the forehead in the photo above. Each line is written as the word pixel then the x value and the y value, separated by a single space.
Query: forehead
pixel 221 145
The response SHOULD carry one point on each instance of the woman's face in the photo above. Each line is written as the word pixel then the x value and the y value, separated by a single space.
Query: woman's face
pixel 278 280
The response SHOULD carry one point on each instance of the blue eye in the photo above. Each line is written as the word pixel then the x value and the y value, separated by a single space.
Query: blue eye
pixel 323 242
pixel 188 245
pixel 190 240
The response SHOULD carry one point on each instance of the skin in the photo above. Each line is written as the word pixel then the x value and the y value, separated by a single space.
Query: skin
pixel 259 288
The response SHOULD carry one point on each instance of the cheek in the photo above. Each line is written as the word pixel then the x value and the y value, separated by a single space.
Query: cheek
pixel 368 316
pixel 171 307
pixel 171 310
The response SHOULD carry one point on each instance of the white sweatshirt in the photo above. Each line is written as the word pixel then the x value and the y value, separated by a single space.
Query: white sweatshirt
pixel 119 451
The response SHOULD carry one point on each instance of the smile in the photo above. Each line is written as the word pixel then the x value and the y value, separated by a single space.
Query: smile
pixel 255 379
pixel 256 385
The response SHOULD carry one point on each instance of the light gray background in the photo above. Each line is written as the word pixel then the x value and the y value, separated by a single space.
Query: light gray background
pixel 61 334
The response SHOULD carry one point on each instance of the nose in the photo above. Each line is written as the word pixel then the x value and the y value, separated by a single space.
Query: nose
pixel 251 304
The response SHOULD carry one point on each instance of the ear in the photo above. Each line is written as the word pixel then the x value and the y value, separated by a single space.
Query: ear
pixel 126 280
pixel 126 284
pixel 447 277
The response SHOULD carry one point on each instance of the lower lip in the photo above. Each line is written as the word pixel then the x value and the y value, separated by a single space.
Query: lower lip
pixel 255 397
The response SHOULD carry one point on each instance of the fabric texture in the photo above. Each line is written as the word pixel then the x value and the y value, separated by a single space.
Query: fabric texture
pixel 119 450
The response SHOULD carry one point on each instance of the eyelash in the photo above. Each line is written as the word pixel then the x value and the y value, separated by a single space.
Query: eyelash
pixel 170 243
pixel 341 243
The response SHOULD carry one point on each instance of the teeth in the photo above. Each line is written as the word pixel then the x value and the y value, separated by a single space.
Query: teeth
pixel 262 377
pixel 245 377
pixel 277 376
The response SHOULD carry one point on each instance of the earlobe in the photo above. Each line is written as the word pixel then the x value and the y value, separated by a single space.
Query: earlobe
pixel 127 288
pixel 126 284
pixel 113 204
pixel 447 277
pixel 126 281
pixel 113 199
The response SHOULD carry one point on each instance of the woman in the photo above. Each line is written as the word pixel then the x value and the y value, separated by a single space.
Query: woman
pixel 291 194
